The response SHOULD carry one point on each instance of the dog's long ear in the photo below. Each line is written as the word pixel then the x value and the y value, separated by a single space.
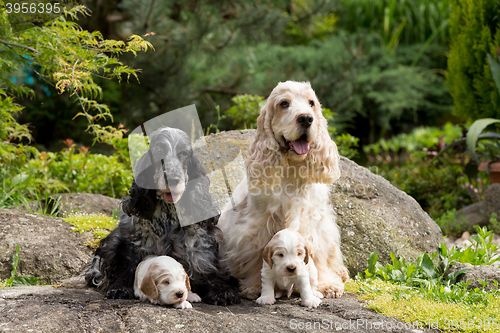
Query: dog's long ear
pixel 307 249
pixel 196 200
pixel 323 158
pixel 195 169
pixel 188 285
pixel 148 285
pixel 267 255
pixel 264 151
pixel 141 202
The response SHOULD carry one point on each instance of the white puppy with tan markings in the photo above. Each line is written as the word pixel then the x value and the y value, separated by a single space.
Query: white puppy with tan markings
pixel 162 280
pixel 287 267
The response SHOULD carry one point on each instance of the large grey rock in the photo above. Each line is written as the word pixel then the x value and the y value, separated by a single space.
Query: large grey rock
pixel 48 248
pixel 484 272
pixel 372 214
pixel 51 310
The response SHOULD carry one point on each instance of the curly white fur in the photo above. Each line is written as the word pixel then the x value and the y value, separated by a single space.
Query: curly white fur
pixel 286 266
pixel 287 175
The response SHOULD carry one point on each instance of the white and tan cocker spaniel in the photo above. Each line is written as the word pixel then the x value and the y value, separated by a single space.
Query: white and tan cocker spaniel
pixel 291 163
pixel 286 267
pixel 162 280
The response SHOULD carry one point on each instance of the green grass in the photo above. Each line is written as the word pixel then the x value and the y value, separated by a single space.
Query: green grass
pixel 99 224
pixel 420 291
pixel 411 306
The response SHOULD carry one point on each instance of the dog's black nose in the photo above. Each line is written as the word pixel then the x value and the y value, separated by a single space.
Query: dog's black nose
pixel 305 120
pixel 291 269
pixel 179 294
pixel 173 181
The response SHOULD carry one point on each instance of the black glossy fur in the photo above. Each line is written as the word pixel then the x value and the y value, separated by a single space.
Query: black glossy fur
pixel 150 226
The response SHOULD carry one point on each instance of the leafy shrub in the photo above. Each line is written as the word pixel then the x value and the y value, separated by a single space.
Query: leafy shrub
pixel 70 170
pixel 80 171
pixel 494 223
pixel 453 223
pixel 439 185
pixel 246 110
pixel 474 33
pixel 429 278
pixel 62 53
pixel 430 138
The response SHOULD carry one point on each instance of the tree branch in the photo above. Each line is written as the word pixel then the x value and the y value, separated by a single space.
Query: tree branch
pixel 21 46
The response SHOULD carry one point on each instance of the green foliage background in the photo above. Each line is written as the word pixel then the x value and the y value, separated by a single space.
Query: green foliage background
pixel 474 32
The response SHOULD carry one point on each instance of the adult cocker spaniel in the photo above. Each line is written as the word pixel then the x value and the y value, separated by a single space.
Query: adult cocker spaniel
pixel 291 162
pixel 169 180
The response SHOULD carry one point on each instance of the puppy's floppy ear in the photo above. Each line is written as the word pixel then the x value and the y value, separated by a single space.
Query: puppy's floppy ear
pixel 148 285
pixel 267 255
pixel 188 285
pixel 308 251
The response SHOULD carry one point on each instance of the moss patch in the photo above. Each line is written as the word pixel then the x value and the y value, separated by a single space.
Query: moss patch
pixel 412 307
pixel 99 224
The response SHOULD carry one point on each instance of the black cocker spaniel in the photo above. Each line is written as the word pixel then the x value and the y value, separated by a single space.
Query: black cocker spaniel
pixel 170 182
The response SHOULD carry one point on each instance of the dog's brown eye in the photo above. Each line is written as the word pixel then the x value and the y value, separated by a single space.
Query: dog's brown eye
pixel 284 104
pixel 299 253
pixel 166 282
pixel 280 255
pixel 311 103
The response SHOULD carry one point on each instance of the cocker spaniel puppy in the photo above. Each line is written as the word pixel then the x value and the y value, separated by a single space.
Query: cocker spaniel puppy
pixel 291 163
pixel 287 267
pixel 168 178
pixel 162 280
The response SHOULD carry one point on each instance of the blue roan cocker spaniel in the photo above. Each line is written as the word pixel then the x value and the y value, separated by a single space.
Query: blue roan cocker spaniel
pixel 168 178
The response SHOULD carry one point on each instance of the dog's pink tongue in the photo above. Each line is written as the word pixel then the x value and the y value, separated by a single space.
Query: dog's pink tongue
pixel 171 196
pixel 300 146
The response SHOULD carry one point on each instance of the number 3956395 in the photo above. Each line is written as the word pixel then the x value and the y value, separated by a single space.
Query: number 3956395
pixel 33 8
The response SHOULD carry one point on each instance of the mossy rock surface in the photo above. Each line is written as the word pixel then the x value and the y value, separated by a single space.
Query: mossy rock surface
pixel 373 215
pixel 49 249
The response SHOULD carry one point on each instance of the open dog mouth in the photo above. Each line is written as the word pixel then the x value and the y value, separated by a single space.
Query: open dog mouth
pixel 171 196
pixel 299 146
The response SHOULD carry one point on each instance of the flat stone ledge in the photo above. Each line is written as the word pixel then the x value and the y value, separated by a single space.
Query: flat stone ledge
pixel 60 309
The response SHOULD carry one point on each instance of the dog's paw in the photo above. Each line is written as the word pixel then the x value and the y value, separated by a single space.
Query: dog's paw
pixel 317 294
pixel 333 291
pixel 312 302
pixel 183 305
pixel 343 274
pixel 120 293
pixel 263 300
pixel 193 297
pixel 250 293
pixel 228 296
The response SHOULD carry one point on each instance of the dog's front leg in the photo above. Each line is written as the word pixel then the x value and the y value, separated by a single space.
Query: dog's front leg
pixel 306 294
pixel 267 295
